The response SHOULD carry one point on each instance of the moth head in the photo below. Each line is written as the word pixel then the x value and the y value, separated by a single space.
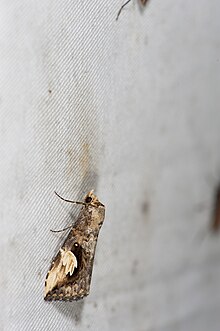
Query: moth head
pixel 91 199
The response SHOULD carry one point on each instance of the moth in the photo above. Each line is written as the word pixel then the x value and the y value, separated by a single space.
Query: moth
pixel 70 273
pixel 143 2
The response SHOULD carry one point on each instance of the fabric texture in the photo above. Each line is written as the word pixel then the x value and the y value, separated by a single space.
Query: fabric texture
pixel 130 109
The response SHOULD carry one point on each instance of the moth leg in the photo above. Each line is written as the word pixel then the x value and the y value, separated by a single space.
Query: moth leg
pixel 71 201
pixel 119 12
pixel 69 227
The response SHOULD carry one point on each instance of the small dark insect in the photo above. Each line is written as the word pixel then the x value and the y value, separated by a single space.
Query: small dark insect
pixel 143 2
pixel 216 212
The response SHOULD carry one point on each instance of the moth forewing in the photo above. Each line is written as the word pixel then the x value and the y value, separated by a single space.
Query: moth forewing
pixel 70 273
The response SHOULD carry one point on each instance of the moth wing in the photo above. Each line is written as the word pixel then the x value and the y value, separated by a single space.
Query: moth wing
pixel 63 265
pixel 68 277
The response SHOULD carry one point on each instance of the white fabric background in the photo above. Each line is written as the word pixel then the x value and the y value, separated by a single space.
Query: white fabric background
pixel 131 109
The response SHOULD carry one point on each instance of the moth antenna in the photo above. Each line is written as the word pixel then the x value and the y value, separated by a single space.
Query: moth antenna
pixel 69 227
pixel 119 12
pixel 76 202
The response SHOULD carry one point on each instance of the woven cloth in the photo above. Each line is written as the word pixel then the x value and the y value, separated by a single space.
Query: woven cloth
pixel 131 110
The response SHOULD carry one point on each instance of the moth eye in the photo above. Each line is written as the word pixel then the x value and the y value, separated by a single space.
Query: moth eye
pixel 76 244
pixel 88 199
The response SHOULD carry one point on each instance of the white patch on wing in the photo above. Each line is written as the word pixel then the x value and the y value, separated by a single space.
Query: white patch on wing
pixel 58 272
pixel 69 261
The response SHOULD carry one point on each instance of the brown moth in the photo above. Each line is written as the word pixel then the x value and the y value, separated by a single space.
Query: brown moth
pixel 70 273
pixel 143 2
